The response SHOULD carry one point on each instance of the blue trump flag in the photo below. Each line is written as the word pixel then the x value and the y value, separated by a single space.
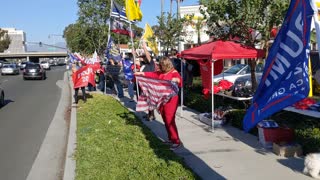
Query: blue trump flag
pixel 285 76
pixel 73 59
pixel 113 51
pixel 128 73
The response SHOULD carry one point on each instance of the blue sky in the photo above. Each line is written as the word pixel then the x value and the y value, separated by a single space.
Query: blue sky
pixel 45 20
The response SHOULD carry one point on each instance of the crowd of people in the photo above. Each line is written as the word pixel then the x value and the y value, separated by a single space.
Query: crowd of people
pixel 114 75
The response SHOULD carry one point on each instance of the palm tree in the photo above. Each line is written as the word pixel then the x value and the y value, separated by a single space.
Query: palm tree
pixel 162 4
pixel 170 6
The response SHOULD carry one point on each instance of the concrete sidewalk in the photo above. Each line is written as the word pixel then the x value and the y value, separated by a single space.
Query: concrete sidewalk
pixel 225 153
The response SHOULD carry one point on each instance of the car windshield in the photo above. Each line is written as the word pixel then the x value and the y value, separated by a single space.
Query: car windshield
pixel 235 69
pixel 44 62
pixel 8 66
pixel 259 68
pixel 33 66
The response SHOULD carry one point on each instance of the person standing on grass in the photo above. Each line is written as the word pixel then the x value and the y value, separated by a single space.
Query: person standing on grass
pixel 75 67
pixel 168 110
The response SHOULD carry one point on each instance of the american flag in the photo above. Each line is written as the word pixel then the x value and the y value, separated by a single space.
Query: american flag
pixel 155 92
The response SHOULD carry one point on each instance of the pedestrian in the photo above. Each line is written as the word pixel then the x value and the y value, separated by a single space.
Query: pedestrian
pixel 168 110
pixel 136 68
pixel 189 75
pixel 147 65
pixel 128 74
pixel 76 67
pixel 101 79
pixel 113 70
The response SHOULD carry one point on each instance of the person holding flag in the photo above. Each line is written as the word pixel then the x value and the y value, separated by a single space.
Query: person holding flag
pixel 168 109
pixel 75 67
pixel 147 65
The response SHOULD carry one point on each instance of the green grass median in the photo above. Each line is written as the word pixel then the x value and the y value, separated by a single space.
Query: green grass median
pixel 112 143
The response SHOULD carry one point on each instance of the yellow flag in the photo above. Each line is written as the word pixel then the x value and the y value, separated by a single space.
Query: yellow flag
pixel 133 11
pixel 147 36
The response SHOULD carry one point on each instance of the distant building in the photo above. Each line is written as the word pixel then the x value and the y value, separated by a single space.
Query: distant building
pixel 191 37
pixel 18 38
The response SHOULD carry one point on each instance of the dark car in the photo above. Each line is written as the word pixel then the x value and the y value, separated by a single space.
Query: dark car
pixel 23 65
pixel 34 71
pixel 242 86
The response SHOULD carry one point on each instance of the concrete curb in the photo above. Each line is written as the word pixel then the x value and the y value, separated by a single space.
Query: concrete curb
pixel 52 151
pixel 70 163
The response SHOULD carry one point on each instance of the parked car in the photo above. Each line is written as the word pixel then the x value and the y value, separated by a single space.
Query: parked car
pixel 1 97
pixel 236 71
pixel 242 86
pixel 2 62
pixel 34 71
pixel 10 69
pixel 23 65
pixel 45 65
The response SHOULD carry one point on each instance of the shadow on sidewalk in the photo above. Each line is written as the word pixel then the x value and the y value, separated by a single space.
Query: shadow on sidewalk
pixel 295 164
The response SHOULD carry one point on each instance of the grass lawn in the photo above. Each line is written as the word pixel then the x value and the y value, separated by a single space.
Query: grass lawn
pixel 112 143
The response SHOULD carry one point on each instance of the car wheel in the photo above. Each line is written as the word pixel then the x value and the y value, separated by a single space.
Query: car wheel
pixel 24 78
pixel 2 99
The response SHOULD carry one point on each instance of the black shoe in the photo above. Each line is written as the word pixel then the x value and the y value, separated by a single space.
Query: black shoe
pixel 167 143
pixel 151 118
pixel 175 146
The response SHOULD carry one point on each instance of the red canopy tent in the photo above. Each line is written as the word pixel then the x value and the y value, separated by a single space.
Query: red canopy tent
pixel 221 50
pixel 215 52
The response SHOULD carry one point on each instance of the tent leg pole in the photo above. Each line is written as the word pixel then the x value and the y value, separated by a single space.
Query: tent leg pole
pixel 212 97
pixel 182 73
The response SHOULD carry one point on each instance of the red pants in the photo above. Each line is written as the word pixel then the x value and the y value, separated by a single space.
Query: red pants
pixel 168 113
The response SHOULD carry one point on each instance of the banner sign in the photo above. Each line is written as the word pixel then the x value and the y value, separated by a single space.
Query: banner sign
pixel 83 76
pixel 285 77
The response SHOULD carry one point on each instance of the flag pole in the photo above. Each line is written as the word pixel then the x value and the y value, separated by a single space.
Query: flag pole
pixel 133 54
pixel 109 30
pixel 182 77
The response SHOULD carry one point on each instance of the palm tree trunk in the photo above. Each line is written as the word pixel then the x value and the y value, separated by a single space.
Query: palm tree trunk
pixel 162 5
pixel 170 7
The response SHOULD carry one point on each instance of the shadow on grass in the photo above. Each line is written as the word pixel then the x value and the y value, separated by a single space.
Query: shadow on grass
pixel 155 134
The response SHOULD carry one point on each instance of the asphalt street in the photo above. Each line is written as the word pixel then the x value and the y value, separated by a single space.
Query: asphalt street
pixel 25 119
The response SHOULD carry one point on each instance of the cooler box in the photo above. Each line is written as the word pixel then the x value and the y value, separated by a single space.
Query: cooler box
pixel 268 136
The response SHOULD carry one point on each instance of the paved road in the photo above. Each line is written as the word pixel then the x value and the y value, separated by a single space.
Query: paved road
pixel 24 120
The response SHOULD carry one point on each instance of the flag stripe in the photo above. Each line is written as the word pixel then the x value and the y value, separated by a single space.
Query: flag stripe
pixel 155 92
pixel 120 13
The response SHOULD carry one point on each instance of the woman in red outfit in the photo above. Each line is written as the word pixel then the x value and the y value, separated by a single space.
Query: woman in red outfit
pixel 168 110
